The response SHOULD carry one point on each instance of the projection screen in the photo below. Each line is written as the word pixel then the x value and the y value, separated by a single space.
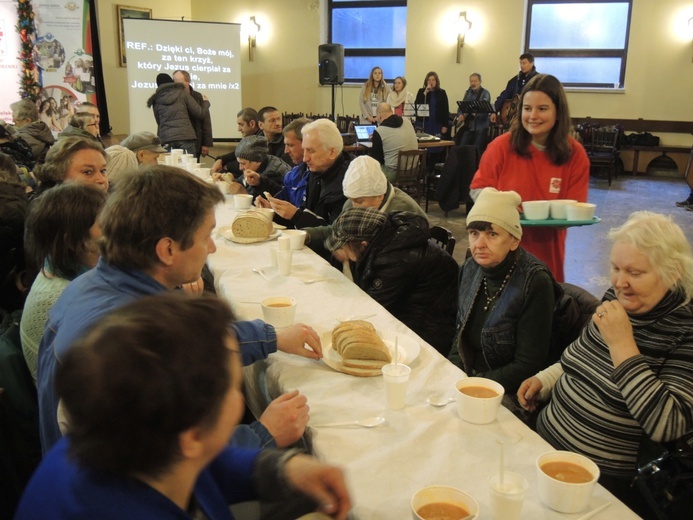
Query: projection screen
pixel 209 51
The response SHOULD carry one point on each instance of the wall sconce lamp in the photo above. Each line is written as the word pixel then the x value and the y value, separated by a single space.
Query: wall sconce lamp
pixel 253 29
pixel 463 25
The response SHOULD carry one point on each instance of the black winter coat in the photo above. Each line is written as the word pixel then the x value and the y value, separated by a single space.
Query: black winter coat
pixel 412 278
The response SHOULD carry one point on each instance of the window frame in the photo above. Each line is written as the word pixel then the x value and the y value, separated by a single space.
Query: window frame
pixel 582 53
pixel 364 52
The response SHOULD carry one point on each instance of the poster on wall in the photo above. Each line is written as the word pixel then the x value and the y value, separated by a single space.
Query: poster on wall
pixel 9 64
pixel 62 54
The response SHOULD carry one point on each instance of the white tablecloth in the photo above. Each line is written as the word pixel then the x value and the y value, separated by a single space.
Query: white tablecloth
pixel 416 447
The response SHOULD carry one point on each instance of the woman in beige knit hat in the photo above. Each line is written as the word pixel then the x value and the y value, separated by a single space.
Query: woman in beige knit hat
pixel 506 297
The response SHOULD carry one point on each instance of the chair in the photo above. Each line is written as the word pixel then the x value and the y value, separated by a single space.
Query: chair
pixel 343 123
pixel 449 182
pixel 409 174
pixel 443 237
pixel 603 151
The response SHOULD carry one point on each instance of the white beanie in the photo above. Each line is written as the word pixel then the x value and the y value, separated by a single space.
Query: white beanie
pixel 364 178
pixel 498 207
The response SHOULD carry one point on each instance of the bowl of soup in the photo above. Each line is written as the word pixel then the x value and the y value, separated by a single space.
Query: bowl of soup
pixel 478 399
pixel 443 503
pixel 536 209
pixel 580 211
pixel 566 480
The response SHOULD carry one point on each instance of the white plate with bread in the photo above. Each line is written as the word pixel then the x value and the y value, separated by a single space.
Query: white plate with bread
pixel 227 233
pixel 358 349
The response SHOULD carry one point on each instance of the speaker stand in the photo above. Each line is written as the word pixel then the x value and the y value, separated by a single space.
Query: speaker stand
pixel 333 118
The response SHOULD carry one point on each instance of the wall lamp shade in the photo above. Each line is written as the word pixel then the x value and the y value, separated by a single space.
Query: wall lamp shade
pixel 253 29
pixel 463 25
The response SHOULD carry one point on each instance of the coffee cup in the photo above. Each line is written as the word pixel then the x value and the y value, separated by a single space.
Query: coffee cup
pixel 279 311
pixel 478 399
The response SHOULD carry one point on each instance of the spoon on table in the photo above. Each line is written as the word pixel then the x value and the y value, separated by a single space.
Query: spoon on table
pixel 368 422
pixel 439 400
pixel 342 319
pixel 260 272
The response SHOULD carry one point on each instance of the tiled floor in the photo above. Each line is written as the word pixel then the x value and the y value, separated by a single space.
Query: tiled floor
pixel 587 248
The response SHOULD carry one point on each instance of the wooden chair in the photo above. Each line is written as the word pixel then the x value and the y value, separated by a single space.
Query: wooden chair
pixel 409 174
pixel 443 237
pixel 343 123
pixel 289 117
pixel 603 151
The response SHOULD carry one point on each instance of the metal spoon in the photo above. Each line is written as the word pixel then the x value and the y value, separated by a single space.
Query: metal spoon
pixel 439 400
pixel 368 422
pixel 342 319
pixel 260 272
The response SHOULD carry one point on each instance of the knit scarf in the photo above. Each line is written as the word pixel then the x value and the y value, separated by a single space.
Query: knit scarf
pixel 395 99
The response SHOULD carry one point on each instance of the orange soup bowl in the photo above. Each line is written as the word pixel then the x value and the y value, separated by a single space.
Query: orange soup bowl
pixel 446 495
pixel 478 399
pixel 558 494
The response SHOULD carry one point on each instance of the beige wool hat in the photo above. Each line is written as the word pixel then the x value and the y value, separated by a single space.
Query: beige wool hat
pixel 364 178
pixel 498 207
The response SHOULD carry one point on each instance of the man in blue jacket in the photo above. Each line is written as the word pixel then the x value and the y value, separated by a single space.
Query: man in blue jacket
pixel 153 392
pixel 156 237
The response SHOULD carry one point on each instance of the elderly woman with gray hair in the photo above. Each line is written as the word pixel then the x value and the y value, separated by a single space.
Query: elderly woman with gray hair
pixel 628 376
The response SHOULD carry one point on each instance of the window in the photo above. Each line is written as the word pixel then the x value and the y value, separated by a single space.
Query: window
pixel 373 33
pixel 582 43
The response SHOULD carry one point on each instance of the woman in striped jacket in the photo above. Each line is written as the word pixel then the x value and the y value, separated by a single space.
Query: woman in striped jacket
pixel 629 373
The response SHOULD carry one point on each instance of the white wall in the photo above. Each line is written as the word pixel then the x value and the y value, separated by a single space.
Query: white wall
pixel 659 75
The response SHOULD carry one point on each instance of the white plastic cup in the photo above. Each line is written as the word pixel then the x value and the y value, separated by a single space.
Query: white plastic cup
pixel 507 499
pixel 168 159
pixel 536 209
pixel 279 311
pixel 203 173
pixel 284 262
pixel 284 243
pixel 242 201
pixel 478 410
pixel 396 377
pixel 188 158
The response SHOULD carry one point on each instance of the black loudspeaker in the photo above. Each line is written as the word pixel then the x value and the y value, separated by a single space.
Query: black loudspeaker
pixel 331 64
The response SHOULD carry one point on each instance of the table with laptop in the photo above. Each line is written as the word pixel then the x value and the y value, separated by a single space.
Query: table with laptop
pixel 364 134
pixel 415 447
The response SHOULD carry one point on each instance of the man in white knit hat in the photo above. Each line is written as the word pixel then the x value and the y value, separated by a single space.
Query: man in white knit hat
pixel 365 186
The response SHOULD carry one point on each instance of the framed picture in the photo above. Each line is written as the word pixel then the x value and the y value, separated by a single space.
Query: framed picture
pixel 123 11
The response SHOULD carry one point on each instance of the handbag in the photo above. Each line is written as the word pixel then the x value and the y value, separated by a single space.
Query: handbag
pixel 666 481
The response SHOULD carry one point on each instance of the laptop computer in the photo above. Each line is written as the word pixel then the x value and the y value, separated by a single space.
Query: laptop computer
pixel 364 132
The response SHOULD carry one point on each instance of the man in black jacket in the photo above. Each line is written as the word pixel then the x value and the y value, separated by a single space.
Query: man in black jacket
pixel 392 259
pixel 322 152
pixel 203 128
pixel 516 83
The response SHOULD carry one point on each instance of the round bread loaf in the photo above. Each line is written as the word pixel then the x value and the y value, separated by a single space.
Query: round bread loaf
pixel 251 225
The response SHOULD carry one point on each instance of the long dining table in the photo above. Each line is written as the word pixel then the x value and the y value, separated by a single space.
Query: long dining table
pixel 418 446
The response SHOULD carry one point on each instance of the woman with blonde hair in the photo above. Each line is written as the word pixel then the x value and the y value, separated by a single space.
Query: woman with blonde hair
pixel 627 378
pixel 373 92
pixel 398 96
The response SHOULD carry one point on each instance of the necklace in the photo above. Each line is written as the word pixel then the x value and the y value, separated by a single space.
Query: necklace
pixel 490 299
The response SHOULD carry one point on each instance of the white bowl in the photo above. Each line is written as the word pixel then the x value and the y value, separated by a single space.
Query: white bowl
pixel 536 209
pixel 297 236
pixel 558 208
pixel 447 494
pixel 478 410
pixel 581 211
pixel 242 201
pixel 279 311
pixel 565 497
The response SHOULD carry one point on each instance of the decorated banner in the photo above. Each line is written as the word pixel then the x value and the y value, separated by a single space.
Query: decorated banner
pixel 53 58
